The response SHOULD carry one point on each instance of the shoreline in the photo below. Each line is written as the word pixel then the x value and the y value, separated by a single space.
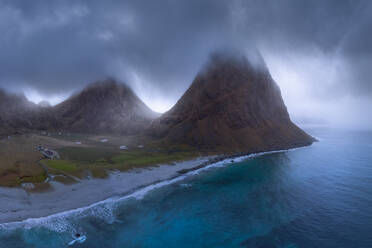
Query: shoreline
pixel 20 207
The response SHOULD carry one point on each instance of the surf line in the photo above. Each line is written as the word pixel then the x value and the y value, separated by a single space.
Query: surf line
pixel 137 193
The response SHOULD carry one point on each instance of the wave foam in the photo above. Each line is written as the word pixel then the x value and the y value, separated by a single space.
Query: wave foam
pixel 62 222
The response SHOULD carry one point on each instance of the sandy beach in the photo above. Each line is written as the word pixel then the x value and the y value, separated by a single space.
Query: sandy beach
pixel 17 204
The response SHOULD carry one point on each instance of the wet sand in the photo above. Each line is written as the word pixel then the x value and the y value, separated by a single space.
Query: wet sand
pixel 16 204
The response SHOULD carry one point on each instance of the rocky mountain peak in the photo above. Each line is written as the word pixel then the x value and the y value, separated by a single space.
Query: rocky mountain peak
pixel 232 103
pixel 105 106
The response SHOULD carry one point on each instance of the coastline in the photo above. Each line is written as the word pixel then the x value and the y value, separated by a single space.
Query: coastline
pixel 19 207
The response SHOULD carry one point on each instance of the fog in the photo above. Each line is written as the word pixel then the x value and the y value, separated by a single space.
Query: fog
pixel 319 52
pixel 315 90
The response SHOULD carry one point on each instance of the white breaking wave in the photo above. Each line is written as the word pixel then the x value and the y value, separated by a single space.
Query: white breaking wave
pixel 63 221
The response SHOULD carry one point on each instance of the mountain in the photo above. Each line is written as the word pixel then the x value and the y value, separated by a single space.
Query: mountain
pixel 14 111
pixel 104 107
pixel 234 105
pixel 18 115
pixel 44 104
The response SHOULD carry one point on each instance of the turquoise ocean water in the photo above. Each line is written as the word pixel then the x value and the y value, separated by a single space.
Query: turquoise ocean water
pixel 319 196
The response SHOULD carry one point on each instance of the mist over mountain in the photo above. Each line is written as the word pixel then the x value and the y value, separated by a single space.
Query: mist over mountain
pixel 319 52
pixel 187 116
pixel 15 112
pixel 232 104
pixel 104 107
pixel 44 104
pixel 18 115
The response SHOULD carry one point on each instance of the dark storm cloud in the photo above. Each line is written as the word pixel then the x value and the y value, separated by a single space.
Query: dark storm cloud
pixel 337 29
pixel 56 46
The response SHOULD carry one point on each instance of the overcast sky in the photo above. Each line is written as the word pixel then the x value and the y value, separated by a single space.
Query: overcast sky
pixel 319 51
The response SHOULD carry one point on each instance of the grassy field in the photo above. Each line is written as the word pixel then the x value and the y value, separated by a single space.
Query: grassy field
pixel 80 161
pixel 19 160
pixel 63 165
pixel 81 156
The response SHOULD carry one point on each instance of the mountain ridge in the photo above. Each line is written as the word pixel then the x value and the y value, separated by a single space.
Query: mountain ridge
pixel 104 106
pixel 233 104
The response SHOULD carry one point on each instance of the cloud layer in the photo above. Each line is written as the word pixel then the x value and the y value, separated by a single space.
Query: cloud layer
pixel 323 48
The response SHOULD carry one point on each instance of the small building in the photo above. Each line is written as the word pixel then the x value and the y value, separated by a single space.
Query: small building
pixel 123 148
pixel 48 153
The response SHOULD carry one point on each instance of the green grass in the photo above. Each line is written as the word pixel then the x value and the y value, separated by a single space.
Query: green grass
pixel 88 154
pixel 112 157
pixel 140 159
pixel 17 180
pixel 99 160
pixel 63 165
pixel 34 179
pixel 21 161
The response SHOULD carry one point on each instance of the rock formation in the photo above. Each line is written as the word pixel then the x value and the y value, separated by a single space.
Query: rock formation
pixel 232 105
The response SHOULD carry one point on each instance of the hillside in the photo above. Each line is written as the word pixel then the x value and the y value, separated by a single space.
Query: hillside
pixel 104 107
pixel 232 105
pixel 18 115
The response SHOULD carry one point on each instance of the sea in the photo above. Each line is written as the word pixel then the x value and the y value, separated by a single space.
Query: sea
pixel 316 196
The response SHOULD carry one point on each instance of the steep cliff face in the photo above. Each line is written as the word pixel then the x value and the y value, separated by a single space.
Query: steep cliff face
pixel 233 105
pixel 104 107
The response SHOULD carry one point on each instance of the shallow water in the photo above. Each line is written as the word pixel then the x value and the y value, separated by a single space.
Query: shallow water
pixel 319 196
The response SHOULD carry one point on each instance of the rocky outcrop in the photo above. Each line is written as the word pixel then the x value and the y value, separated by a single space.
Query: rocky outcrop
pixel 234 105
